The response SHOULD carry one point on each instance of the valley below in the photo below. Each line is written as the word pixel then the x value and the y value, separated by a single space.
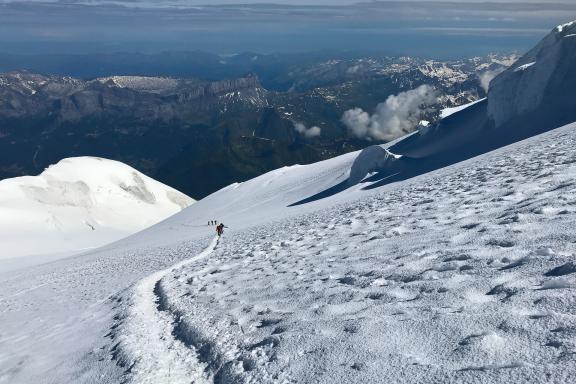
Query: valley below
pixel 182 130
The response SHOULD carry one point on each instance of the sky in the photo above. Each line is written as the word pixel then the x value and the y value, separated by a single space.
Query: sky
pixel 429 28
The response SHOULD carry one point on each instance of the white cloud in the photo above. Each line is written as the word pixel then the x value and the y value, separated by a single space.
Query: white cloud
pixel 307 132
pixel 486 77
pixel 398 115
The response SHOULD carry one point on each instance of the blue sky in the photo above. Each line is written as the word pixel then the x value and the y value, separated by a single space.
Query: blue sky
pixel 429 28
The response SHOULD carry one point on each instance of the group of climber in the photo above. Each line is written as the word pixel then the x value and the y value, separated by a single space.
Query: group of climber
pixel 219 228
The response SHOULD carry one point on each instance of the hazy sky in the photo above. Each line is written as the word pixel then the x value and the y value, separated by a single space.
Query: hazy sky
pixel 431 28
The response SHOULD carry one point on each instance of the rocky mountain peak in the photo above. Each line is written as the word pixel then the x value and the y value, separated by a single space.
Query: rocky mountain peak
pixel 249 81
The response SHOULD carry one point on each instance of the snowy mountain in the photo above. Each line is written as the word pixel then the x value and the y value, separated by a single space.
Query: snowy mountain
pixel 537 88
pixel 80 203
pixel 530 97
pixel 362 268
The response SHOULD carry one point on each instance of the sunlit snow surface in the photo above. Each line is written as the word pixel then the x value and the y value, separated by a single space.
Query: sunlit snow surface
pixel 465 274
pixel 80 203
pixel 452 110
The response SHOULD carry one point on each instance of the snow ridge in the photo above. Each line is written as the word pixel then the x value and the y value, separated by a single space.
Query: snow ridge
pixel 452 110
pixel 563 27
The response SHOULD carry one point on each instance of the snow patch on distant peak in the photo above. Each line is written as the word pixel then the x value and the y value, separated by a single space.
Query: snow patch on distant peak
pixel 142 83
pixel 59 193
pixel 452 110
pixel 138 189
pixel 524 66
pixel 178 198
pixel 561 28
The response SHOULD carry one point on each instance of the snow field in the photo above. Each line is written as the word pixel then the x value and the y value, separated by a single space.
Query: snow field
pixel 56 318
pixel 463 275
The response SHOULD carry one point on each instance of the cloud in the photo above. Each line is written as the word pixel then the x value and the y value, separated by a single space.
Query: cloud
pixel 307 132
pixel 395 117
pixel 487 76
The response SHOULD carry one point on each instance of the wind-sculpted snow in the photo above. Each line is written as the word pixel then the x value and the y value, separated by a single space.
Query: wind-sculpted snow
pixel 370 160
pixel 462 275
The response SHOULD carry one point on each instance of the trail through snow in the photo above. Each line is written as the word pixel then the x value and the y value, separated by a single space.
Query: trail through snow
pixel 146 339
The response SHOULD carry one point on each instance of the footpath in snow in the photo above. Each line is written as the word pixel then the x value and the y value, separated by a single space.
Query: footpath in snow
pixel 145 337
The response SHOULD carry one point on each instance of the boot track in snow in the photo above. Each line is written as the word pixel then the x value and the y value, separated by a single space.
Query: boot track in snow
pixel 145 342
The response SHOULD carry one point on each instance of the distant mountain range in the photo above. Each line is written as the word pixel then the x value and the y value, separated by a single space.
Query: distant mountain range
pixel 200 135
pixel 277 72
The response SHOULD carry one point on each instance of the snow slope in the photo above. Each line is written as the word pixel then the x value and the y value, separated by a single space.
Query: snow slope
pixel 540 82
pixel 464 274
pixel 80 203
pixel 450 111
